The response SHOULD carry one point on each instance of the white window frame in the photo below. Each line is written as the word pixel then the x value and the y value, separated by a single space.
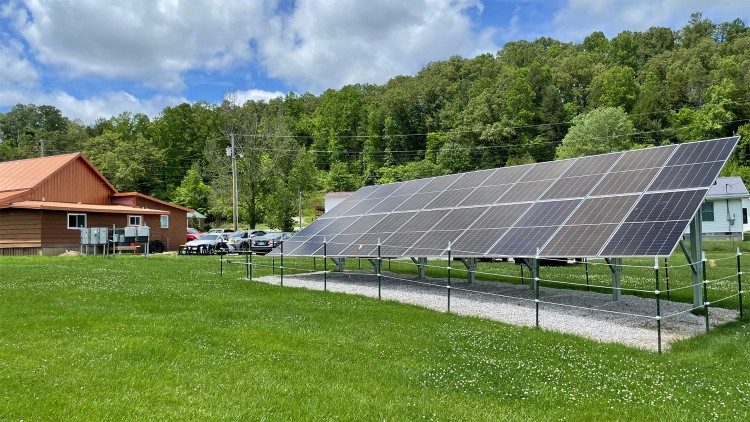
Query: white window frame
pixel 162 219
pixel 77 214
pixel 140 220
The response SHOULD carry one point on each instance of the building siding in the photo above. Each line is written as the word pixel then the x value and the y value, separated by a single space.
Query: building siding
pixel 75 182
pixel 20 228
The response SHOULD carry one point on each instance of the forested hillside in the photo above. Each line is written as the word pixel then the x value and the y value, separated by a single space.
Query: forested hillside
pixel 532 101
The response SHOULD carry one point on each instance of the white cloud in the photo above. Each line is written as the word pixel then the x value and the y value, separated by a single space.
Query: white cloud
pixel 241 97
pixel 154 42
pixel 326 44
pixel 15 70
pixel 106 104
pixel 580 18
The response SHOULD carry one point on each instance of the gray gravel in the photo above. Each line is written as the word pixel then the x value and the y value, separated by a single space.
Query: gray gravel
pixel 472 299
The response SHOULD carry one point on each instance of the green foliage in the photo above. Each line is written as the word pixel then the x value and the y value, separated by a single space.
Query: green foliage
pixel 615 87
pixel 454 157
pixel 709 120
pixel 605 129
pixel 340 179
pixel 193 192
pixel 410 171
pixel 131 165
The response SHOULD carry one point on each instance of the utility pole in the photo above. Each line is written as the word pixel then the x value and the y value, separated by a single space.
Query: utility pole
pixel 231 153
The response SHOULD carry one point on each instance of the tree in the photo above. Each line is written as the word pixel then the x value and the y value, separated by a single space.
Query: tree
pixel 135 165
pixel 602 130
pixel 454 158
pixel 193 192
pixel 696 30
pixel 340 179
pixel 708 121
pixel 615 87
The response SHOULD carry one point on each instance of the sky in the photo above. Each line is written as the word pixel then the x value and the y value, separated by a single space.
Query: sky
pixel 98 58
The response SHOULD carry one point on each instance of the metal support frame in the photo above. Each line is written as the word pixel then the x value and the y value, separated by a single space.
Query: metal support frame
pixel 533 266
pixel 471 265
pixel 339 264
pixel 376 265
pixel 421 265
pixel 615 265
pixel 696 257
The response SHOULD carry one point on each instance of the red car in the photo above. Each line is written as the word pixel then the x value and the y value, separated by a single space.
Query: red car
pixel 193 234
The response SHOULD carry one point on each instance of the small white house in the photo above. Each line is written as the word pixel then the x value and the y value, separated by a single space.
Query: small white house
pixel 334 198
pixel 725 210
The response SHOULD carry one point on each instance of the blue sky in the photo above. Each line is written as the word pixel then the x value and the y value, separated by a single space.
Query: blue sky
pixel 95 58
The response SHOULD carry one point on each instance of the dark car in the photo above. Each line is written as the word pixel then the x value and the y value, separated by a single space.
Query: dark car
pixel 266 243
pixel 243 244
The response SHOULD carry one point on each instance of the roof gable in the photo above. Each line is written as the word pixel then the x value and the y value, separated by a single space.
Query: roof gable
pixel 29 173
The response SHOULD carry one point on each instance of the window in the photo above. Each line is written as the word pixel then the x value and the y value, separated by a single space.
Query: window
pixel 164 219
pixel 134 220
pixel 76 221
pixel 707 211
pixel 744 216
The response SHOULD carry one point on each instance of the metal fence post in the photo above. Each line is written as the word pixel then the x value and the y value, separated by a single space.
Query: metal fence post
pixel 449 276
pixel 273 265
pixel 221 265
pixel 325 265
pixel 281 267
pixel 586 267
pixel 250 273
pixel 658 304
pixel 535 265
pixel 380 263
pixel 247 265
pixel 739 280
pixel 705 289
pixel 666 276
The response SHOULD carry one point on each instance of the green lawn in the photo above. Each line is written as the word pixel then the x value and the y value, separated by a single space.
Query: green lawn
pixel 168 338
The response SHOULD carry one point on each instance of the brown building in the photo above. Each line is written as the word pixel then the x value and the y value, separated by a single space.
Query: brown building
pixel 44 201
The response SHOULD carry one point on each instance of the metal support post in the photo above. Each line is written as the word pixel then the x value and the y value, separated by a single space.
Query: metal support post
pixel 421 264
pixel 471 265
pixel 586 268
pixel 247 265
pixel 705 289
pixel 377 269
pixel 658 305
pixel 695 258
pixel 615 265
pixel 666 276
pixel 448 287
pixel 273 265
pixel 325 265
pixel 250 266
pixel 281 267
pixel 221 265
pixel 522 279
pixel 739 279
pixel 535 275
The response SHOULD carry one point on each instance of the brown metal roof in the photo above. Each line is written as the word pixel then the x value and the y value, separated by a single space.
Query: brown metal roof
pixel 65 206
pixel 7 197
pixel 150 198
pixel 29 173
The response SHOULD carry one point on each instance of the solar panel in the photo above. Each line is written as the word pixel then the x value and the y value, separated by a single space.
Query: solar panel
pixel 633 203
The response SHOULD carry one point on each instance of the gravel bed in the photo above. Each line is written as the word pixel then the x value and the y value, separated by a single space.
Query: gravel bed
pixel 485 299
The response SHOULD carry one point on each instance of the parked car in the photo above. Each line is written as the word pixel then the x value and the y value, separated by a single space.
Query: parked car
pixel 193 234
pixel 244 243
pixel 207 244
pixel 266 243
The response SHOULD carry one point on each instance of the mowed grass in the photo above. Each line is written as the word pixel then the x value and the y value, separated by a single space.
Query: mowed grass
pixel 168 338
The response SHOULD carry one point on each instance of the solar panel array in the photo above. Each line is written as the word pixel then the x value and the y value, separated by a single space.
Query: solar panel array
pixel 623 204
